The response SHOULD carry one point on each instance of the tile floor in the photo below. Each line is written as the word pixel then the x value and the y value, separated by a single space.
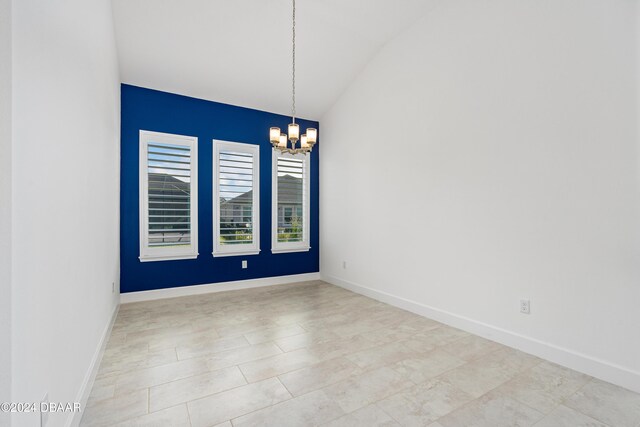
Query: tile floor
pixel 314 354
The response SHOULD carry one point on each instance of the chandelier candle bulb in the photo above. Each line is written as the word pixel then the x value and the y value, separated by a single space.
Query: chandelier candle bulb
pixel 294 131
pixel 312 135
pixel 303 141
pixel 283 140
pixel 274 135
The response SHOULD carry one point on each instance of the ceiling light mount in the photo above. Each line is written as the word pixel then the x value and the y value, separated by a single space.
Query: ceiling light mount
pixel 280 140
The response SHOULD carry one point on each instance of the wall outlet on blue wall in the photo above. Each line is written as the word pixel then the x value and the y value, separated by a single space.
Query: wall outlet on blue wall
pixel 244 263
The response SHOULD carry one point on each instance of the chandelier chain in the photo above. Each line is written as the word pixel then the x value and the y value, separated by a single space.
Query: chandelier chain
pixel 293 80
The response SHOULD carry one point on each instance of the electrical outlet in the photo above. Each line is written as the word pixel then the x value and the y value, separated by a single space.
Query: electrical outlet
pixel 525 306
pixel 44 415
pixel 344 264
pixel 244 263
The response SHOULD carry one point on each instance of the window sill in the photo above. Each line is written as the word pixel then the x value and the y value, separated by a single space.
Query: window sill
pixel 237 253
pixel 287 250
pixel 150 258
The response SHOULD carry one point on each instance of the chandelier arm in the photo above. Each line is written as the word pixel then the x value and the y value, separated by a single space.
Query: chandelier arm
pixel 292 150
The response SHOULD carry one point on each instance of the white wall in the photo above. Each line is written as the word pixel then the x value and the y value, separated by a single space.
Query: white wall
pixel 488 154
pixel 5 206
pixel 65 181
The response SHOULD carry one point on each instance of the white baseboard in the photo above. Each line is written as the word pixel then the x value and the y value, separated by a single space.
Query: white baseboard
pixel 595 367
pixel 215 287
pixel 90 376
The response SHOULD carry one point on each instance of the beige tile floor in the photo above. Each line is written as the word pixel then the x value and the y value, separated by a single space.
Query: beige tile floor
pixel 314 354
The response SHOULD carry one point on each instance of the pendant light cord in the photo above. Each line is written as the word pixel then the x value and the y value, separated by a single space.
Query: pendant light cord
pixel 293 81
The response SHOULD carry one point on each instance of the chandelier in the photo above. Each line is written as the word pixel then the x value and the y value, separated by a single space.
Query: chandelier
pixel 280 140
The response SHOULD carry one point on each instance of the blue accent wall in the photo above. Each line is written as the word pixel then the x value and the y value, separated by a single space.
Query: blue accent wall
pixel 146 109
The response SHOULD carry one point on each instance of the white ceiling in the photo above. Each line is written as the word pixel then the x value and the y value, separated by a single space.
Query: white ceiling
pixel 239 51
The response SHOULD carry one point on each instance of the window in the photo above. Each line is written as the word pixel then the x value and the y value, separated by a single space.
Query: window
pixel 236 202
pixel 168 196
pixel 290 228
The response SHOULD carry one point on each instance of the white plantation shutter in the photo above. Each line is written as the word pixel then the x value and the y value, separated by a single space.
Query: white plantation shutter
pixel 290 202
pixel 168 205
pixel 290 197
pixel 236 198
pixel 169 174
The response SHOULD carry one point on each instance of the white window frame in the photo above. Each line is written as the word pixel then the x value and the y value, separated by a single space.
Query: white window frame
pixel 148 253
pixel 304 245
pixel 235 250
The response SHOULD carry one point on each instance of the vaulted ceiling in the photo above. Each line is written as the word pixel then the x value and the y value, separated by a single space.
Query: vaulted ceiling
pixel 239 51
